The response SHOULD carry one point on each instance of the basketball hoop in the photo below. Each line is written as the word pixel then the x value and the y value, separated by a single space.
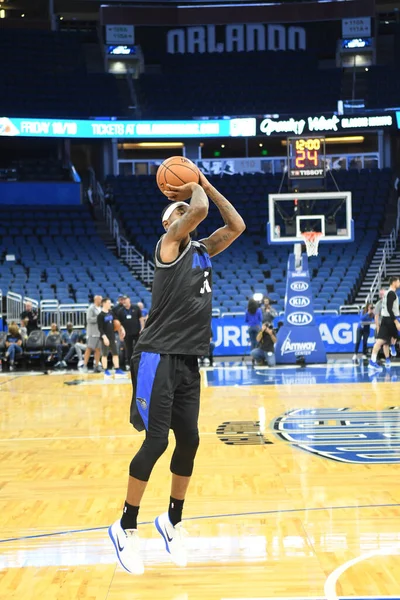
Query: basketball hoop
pixel 311 240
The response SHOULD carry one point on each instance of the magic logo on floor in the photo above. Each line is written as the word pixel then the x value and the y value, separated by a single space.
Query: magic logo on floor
pixel 343 434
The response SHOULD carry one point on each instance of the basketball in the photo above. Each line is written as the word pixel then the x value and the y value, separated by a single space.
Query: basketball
pixel 176 170
pixel 117 325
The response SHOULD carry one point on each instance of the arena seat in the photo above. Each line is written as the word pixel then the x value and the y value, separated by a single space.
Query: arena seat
pixel 45 75
pixel 250 92
pixel 73 267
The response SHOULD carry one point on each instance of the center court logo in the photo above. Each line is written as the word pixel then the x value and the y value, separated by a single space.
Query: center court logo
pixel 303 348
pixel 299 286
pixel 343 434
pixel 299 301
pixel 300 318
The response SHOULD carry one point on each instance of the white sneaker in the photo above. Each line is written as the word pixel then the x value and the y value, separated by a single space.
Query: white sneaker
pixel 127 546
pixel 80 364
pixel 174 538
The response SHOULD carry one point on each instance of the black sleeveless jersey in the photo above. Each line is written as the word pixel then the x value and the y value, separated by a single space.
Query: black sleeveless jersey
pixel 179 321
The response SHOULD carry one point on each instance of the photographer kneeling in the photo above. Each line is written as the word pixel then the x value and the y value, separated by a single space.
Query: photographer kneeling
pixel 265 346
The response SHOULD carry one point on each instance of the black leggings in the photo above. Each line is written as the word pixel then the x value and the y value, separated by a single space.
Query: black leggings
pixel 166 395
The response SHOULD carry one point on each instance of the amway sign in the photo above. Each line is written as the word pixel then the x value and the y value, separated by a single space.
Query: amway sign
pixel 252 37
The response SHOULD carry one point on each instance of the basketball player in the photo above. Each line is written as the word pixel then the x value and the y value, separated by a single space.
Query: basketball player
pixel 388 330
pixel 164 369
pixel 378 319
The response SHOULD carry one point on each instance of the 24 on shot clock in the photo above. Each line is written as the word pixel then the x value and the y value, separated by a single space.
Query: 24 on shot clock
pixel 306 157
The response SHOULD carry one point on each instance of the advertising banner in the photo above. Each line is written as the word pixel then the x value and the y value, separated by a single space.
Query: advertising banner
pixel 312 124
pixel 299 336
pixel 338 334
pixel 67 128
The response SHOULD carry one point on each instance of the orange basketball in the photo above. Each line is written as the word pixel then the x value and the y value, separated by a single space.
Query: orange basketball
pixel 117 325
pixel 176 170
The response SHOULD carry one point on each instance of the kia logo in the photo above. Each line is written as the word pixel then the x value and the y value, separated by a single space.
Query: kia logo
pixel 299 301
pixel 300 318
pixel 299 286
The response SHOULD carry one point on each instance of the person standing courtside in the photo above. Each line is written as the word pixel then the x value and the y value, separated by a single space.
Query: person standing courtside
pixel 390 326
pixel 367 316
pixel 105 323
pixel 378 320
pixel 164 367
pixel 93 335
pixel 131 318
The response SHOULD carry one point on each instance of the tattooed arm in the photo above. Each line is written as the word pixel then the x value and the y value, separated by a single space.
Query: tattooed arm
pixel 234 224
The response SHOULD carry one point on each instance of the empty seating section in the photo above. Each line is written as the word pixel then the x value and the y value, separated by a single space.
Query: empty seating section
pixel 44 75
pixel 60 256
pixel 37 170
pixel 250 265
pixel 239 84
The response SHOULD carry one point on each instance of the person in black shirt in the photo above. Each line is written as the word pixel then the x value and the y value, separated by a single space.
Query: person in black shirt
pixel 390 327
pixel 265 346
pixel 118 307
pixel 164 368
pixel 105 323
pixel 131 318
pixel 32 315
pixel 13 344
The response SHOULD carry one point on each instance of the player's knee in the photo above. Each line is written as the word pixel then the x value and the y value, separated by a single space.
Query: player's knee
pixel 142 464
pixel 184 454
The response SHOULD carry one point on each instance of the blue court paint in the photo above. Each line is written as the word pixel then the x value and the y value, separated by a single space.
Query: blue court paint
pixel 219 516
pixel 332 373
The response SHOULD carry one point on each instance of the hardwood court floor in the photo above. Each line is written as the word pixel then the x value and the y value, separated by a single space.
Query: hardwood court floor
pixel 265 519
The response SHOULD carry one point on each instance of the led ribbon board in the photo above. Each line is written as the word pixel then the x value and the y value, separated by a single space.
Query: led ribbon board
pixel 67 128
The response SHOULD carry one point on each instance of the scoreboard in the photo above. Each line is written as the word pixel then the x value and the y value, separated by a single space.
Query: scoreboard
pixel 306 157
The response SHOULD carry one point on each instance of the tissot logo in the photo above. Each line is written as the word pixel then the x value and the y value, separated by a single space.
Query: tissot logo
pixel 299 301
pixel 299 286
pixel 299 318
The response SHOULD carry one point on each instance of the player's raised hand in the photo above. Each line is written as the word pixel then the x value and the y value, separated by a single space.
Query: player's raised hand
pixel 179 193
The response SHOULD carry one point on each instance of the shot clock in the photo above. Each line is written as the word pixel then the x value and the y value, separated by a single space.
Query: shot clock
pixel 306 158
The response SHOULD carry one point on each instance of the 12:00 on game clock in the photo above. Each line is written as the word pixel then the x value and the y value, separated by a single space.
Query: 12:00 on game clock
pixel 306 157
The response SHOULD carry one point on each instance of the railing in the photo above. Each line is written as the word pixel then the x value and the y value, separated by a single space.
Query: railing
pixel 13 307
pixel 15 304
pixel 127 252
pixel 73 313
pixel 61 314
pixel 253 164
pixel 136 261
pixel 49 313
pixel 388 250
pixel 350 309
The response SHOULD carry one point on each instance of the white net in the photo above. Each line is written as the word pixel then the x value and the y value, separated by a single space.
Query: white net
pixel 311 240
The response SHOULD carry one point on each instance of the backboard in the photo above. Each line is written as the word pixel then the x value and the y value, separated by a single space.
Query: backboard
pixel 326 212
